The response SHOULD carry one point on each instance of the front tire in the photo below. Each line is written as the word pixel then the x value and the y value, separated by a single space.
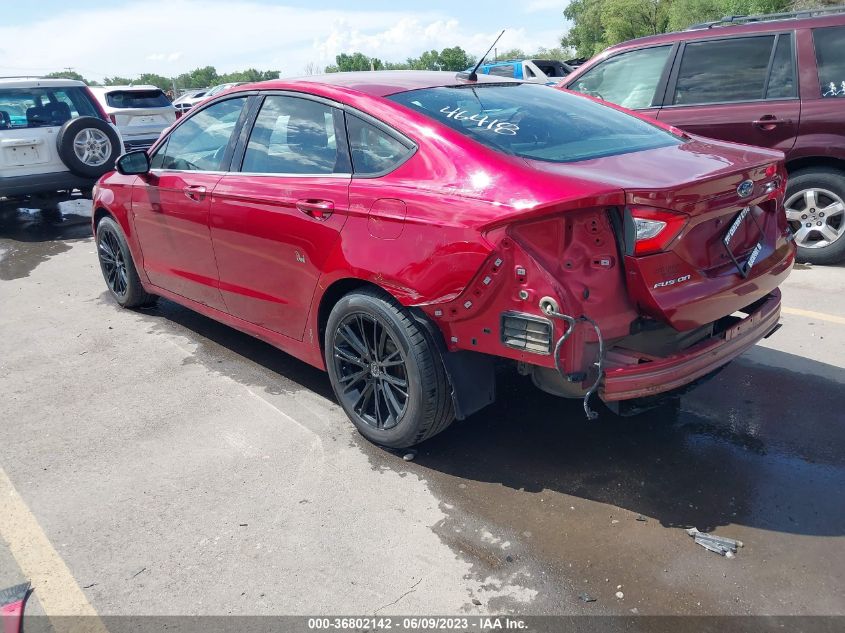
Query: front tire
pixel 815 209
pixel 118 267
pixel 385 371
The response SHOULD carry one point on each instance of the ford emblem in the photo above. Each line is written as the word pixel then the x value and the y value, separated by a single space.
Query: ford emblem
pixel 745 189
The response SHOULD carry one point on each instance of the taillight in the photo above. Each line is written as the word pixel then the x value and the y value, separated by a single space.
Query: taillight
pixel 113 119
pixel 650 230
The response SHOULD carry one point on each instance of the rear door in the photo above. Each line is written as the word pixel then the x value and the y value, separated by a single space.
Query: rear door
pixel 740 89
pixel 274 222
pixel 170 204
pixel 633 79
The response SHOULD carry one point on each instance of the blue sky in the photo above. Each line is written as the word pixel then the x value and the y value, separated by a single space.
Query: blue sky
pixel 99 38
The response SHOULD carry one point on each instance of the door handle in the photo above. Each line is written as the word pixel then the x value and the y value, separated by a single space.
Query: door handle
pixel 195 192
pixel 317 209
pixel 770 122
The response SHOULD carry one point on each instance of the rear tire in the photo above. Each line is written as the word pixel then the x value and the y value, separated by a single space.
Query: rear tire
pixel 386 372
pixel 816 197
pixel 118 267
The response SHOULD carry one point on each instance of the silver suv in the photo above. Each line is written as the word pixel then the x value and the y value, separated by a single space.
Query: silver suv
pixel 53 137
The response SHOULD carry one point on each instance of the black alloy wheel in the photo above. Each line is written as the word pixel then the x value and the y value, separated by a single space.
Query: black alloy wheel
pixel 113 264
pixel 371 371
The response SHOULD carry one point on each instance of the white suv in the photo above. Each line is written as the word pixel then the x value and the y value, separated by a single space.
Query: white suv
pixel 53 137
pixel 141 113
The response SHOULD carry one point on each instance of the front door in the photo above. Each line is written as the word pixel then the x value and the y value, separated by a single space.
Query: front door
pixel 739 89
pixel 274 222
pixel 170 205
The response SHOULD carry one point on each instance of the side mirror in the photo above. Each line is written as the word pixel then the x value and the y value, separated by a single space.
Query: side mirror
pixel 133 163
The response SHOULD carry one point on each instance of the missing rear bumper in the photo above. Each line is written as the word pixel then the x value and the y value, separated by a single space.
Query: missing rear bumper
pixel 630 375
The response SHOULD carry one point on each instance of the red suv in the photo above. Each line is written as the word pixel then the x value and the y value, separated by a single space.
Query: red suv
pixel 775 81
pixel 403 230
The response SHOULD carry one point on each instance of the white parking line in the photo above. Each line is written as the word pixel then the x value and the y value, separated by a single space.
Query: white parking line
pixel 821 316
pixel 51 580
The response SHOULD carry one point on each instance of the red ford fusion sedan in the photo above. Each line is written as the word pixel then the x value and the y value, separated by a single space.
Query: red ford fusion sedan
pixel 404 230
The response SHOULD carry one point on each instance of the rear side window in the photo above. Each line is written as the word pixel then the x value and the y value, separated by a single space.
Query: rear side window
pixel 43 107
pixel 629 79
pixel 727 70
pixel 374 151
pixel 782 78
pixel 137 99
pixel 830 57
pixel 505 70
pixel 292 136
pixel 536 122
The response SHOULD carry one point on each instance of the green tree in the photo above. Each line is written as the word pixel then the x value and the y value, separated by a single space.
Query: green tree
pixel 560 53
pixel 513 53
pixel 455 59
pixel 153 79
pixel 67 74
pixel 117 81
pixel 598 24
pixel 250 75
pixel 356 61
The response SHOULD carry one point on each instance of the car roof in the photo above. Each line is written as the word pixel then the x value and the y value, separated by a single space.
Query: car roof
pixel 124 88
pixel 719 29
pixel 38 82
pixel 379 83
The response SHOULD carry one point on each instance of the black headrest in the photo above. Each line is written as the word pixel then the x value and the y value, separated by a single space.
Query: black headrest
pixel 57 112
pixel 5 120
pixel 36 115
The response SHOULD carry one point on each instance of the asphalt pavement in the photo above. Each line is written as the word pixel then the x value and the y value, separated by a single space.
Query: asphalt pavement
pixel 157 462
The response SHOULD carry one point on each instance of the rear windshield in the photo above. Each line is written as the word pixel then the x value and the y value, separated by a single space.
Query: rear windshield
pixel 137 99
pixel 536 122
pixel 43 107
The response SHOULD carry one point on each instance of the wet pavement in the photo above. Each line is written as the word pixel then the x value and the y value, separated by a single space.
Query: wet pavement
pixel 524 507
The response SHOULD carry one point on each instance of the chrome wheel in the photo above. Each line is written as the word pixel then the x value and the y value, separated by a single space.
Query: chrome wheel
pixel 112 263
pixel 817 217
pixel 92 147
pixel 371 371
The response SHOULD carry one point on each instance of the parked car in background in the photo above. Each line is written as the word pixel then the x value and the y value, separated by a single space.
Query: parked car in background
pixel 543 71
pixel 216 90
pixel 140 113
pixel 187 100
pixel 54 136
pixel 775 81
pixel 402 231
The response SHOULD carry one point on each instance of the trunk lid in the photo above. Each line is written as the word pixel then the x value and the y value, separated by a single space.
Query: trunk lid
pixel 695 279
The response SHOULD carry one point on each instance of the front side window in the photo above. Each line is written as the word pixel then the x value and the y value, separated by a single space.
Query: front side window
pixel 830 45
pixel 373 150
pixel 43 107
pixel 292 136
pixel 723 71
pixel 199 144
pixel 629 79
pixel 536 122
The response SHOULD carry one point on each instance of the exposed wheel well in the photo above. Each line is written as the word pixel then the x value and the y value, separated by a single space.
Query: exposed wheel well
pixel 815 161
pixel 99 214
pixel 331 297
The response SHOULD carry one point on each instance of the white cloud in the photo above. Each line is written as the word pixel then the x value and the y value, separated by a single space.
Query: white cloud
pixel 178 35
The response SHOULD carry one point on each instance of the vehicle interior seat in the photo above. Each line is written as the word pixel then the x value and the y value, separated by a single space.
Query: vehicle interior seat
pixel 57 112
pixel 5 120
pixel 36 116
